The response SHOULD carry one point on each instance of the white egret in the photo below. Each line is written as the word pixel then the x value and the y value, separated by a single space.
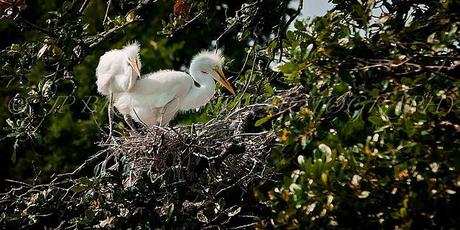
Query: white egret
pixel 157 97
pixel 117 72
pixel 118 69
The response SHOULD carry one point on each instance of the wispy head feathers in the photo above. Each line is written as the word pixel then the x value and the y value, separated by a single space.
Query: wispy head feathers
pixel 212 56
pixel 132 49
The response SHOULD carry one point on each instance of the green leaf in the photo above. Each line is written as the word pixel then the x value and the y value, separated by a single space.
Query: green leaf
pixel 261 121
pixel 410 145
pixel 288 68
pixel 452 31
pixel 340 88
pixel 384 84
pixel 324 178
pixel 85 181
pixel 290 35
pixel 375 92
pixel 67 5
pixel 375 120
pixel 382 128
pixel 170 211
pixel 398 108
pixel 406 81
pixel 89 217
pixel 271 46
pixel 403 212
pixel 78 188
pixel 299 25
pixel 358 9
pixel 268 89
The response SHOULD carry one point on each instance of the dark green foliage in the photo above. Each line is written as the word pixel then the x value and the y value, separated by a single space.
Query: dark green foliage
pixel 377 138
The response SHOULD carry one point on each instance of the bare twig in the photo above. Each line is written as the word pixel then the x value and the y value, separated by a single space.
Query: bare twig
pixel 83 6
pixel 87 163
pixel 109 2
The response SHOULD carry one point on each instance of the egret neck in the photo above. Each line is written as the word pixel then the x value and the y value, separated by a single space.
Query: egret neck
pixel 199 96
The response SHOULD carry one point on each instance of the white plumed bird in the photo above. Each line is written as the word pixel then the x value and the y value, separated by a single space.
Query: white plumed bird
pixel 118 70
pixel 157 97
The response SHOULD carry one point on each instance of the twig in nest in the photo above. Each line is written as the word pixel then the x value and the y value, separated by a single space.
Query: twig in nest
pixel 98 156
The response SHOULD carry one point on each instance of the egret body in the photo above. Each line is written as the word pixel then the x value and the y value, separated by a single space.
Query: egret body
pixel 118 69
pixel 117 72
pixel 157 97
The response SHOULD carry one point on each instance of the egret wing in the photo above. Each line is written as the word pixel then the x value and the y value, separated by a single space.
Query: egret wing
pixel 147 100
pixel 110 65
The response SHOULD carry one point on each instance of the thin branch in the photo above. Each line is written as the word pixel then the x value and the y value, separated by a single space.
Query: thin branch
pixel 31 25
pixel 18 182
pixel 103 36
pixel 85 164
pixel 109 2
pixel 83 7
pixel 248 81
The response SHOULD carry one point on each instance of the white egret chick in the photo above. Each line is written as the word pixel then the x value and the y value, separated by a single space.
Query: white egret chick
pixel 118 69
pixel 117 72
pixel 157 97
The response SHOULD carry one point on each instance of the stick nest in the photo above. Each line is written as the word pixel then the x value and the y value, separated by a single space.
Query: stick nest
pixel 219 151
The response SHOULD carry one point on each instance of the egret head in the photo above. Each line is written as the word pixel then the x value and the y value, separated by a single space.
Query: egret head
pixel 132 51
pixel 210 63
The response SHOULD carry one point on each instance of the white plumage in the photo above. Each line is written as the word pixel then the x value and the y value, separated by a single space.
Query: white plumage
pixel 157 97
pixel 118 70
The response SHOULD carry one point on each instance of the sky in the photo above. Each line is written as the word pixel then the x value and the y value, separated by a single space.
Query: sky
pixel 313 7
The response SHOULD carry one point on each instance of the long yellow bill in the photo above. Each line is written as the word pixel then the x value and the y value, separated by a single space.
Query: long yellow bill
pixel 222 80
pixel 135 65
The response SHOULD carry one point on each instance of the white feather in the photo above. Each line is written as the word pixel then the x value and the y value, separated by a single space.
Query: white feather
pixel 114 73
pixel 157 97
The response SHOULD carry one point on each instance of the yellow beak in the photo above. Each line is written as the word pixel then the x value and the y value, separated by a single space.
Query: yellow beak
pixel 135 65
pixel 222 80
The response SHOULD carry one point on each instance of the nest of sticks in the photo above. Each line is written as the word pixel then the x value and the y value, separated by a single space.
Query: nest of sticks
pixel 221 151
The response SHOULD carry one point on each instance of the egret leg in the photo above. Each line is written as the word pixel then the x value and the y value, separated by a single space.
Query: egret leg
pixel 110 114
pixel 129 121
pixel 162 113
pixel 168 112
